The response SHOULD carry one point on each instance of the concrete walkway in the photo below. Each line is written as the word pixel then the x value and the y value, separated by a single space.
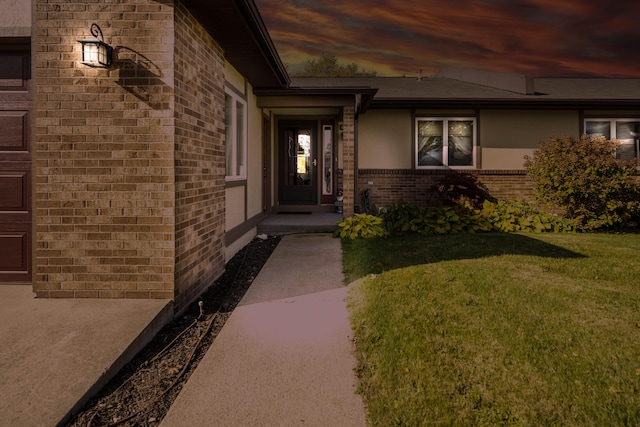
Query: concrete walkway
pixel 285 356
pixel 56 353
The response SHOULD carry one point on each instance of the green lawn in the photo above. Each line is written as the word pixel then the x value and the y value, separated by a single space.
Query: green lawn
pixel 497 329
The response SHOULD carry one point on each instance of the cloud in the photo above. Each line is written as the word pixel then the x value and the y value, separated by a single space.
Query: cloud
pixel 396 37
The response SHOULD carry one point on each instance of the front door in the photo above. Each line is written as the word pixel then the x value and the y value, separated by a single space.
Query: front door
pixel 298 162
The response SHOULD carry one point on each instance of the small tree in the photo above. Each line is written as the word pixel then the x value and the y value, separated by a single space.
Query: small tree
pixel 327 65
pixel 455 187
pixel 584 178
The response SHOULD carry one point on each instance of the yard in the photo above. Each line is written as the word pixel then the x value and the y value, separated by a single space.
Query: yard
pixel 497 329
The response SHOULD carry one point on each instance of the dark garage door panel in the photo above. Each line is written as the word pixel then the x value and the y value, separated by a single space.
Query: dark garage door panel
pixel 14 193
pixel 15 166
pixel 15 253
pixel 14 134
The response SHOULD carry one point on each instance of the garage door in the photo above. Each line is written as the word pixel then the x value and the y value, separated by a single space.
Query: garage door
pixel 15 166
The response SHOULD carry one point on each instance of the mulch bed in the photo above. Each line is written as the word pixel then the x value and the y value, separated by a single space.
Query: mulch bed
pixel 143 391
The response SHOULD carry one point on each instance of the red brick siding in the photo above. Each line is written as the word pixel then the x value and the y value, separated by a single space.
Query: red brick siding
pixel 392 185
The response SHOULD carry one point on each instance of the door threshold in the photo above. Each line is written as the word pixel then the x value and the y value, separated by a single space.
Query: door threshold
pixel 309 209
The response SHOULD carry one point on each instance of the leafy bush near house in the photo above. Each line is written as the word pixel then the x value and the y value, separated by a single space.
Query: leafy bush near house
pixel 450 220
pixel 397 217
pixel 407 217
pixel 504 216
pixel 584 178
pixel 514 216
pixel 360 226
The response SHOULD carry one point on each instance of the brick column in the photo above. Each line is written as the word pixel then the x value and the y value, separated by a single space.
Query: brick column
pixel 104 191
pixel 200 159
pixel 348 157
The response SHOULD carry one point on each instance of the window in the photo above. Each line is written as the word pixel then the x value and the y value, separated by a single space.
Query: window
pixel 236 135
pixel 626 131
pixel 445 142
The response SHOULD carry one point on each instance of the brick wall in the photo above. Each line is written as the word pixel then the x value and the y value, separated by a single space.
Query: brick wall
pixel 129 161
pixel 104 183
pixel 348 159
pixel 392 185
pixel 200 158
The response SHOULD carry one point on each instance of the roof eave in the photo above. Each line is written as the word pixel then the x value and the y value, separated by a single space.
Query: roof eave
pixel 363 95
pixel 502 103
pixel 239 29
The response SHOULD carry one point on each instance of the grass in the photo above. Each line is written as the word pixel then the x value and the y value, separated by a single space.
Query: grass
pixel 497 329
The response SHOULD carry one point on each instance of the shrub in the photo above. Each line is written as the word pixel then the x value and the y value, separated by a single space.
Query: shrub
pixel 584 178
pixel 450 220
pixel 504 216
pixel 406 217
pixel 398 216
pixel 514 216
pixel 360 226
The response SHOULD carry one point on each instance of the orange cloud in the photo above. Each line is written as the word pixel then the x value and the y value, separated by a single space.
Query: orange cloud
pixel 395 37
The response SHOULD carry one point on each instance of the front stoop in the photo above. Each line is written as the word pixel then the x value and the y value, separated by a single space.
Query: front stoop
pixel 298 223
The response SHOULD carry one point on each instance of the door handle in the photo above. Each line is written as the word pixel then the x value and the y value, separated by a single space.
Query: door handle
pixel 315 163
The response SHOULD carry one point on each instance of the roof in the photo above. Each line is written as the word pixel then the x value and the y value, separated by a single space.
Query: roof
pixel 239 29
pixel 411 92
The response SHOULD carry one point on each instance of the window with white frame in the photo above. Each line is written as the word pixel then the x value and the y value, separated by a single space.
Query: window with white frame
pixel 445 142
pixel 626 131
pixel 236 135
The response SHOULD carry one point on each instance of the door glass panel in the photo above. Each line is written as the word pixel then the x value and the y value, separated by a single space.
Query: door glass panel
pixel 299 157
pixel 327 156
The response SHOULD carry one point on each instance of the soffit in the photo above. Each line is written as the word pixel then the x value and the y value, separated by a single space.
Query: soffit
pixel 238 27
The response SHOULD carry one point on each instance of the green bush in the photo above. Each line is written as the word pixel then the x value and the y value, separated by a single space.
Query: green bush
pixel 514 216
pixel 398 216
pixel 504 216
pixel 584 178
pixel 360 226
pixel 450 220
pixel 407 217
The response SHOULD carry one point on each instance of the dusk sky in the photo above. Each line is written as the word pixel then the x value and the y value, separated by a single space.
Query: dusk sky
pixel 400 37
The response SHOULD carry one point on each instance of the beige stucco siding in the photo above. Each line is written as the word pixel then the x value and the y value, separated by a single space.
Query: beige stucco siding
pixel 235 213
pixel 244 197
pixel 504 158
pixel 525 129
pixel 385 139
pixel 507 136
pixel 254 161
pixel 15 19
pixel 234 78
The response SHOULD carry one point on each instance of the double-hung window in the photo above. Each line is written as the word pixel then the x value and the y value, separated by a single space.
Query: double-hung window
pixel 236 135
pixel 626 131
pixel 445 142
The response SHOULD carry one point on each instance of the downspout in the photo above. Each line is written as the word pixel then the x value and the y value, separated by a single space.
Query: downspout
pixel 356 114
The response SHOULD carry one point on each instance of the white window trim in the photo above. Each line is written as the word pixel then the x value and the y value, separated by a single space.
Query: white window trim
pixel 445 144
pixel 236 98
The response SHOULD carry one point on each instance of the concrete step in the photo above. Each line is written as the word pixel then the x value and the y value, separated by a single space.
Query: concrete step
pixel 299 222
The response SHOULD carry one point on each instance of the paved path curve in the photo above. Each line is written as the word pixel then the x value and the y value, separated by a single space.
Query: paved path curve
pixel 285 356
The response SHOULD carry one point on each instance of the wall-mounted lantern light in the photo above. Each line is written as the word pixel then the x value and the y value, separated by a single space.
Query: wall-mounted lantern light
pixel 95 52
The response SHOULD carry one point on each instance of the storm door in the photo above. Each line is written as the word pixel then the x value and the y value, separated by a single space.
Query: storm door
pixel 298 162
